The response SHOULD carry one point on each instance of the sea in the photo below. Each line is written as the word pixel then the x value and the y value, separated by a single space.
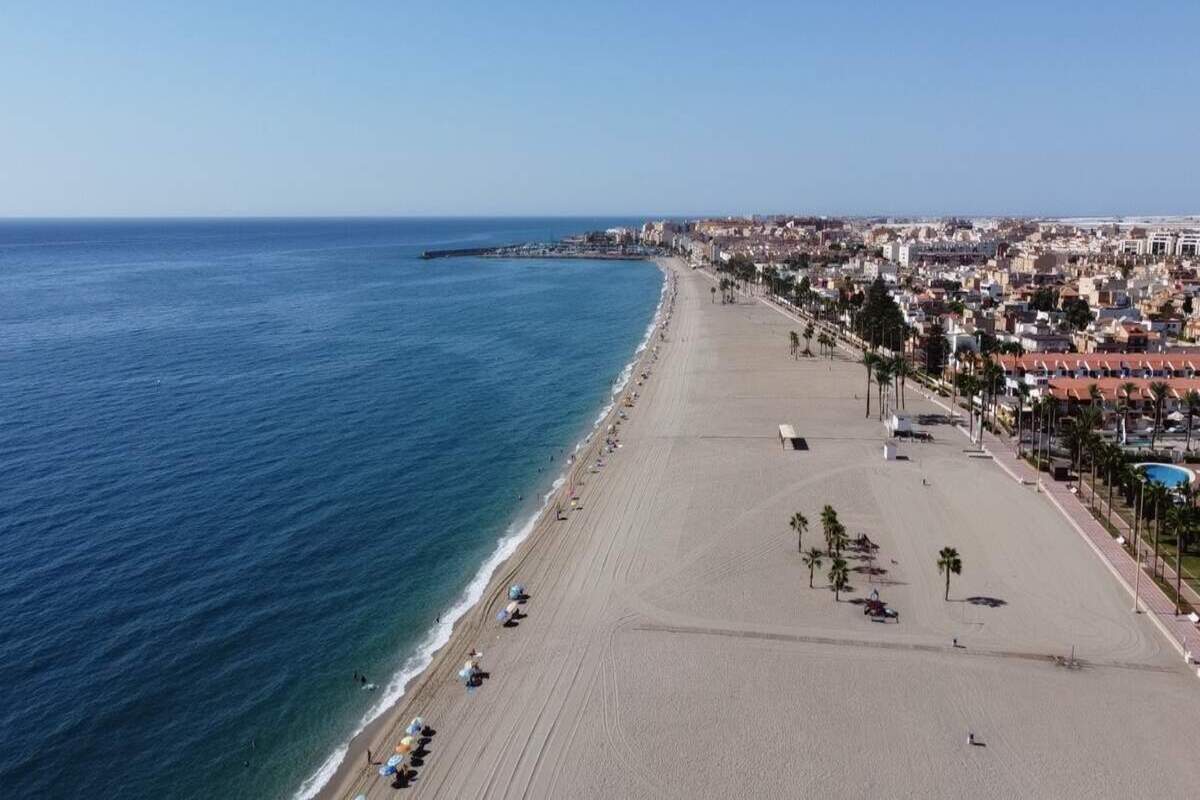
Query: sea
pixel 243 460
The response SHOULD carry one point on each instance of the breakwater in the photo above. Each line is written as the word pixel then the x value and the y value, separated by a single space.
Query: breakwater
pixel 549 250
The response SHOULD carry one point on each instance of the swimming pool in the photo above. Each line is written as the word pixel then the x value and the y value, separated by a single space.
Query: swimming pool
pixel 1168 474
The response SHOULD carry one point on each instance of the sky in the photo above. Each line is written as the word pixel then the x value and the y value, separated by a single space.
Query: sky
pixel 532 108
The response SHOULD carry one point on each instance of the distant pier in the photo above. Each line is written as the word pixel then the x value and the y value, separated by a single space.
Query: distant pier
pixel 550 250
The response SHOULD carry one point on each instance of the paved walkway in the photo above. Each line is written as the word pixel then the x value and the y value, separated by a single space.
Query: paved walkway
pixel 1165 568
pixel 1152 600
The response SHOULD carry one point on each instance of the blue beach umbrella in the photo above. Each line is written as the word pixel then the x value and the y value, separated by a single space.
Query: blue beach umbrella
pixel 395 760
pixel 360 797
pixel 386 770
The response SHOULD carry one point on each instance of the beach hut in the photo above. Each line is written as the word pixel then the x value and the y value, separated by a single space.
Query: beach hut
pixel 787 436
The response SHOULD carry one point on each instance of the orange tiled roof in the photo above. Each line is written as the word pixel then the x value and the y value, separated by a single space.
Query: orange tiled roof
pixel 1111 388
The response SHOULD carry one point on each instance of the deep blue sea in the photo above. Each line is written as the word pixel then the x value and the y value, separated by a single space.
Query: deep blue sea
pixel 241 460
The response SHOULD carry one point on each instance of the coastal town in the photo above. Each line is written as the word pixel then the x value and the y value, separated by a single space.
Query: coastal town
pixel 1077 341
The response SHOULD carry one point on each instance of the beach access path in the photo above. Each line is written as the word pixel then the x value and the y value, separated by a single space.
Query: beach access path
pixel 673 648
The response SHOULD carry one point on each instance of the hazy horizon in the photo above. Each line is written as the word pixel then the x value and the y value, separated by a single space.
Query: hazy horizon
pixel 283 110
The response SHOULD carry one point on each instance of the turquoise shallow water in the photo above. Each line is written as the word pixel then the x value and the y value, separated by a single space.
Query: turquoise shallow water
pixel 240 460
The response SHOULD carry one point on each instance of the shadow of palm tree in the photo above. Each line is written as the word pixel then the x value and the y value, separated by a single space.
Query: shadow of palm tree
pixel 990 602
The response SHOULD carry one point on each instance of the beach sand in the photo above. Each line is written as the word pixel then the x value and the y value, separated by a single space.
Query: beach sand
pixel 673 648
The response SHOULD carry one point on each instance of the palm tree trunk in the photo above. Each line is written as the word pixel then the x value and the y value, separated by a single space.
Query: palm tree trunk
pixel 1110 494
pixel 1157 534
pixel 868 392
pixel 1178 567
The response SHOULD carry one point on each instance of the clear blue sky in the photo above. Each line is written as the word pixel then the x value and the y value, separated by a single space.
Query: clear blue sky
pixel 570 108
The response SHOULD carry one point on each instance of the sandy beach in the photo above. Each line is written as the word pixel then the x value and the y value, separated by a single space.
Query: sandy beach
pixel 671 645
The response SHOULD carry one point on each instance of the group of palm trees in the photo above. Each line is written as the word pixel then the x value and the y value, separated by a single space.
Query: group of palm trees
pixel 1171 512
pixel 983 378
pixel 836 540
pixel 728 289
pixel 826 342
pixel 890 374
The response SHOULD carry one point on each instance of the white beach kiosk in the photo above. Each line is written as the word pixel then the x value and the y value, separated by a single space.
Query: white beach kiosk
pixel 787 435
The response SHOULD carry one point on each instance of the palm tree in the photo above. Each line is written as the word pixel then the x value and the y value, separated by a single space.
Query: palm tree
pixel 1127 388
pixel 883 379
pixel 949 562
pixel 1114 461
pixel 812 560
pixel 901 369
pixel 799 524
pixel 992 374
pixel 839 576
pixel 1022 397
pixel 829 522
pixel 838 538
pixel 1160 496
pixel 1177 520
pixel 1158 391
pixel 713 293
pixel 868 361
pixel 968 386
pixel 795 341
pixel 1192 401
pixel 1096 451
pixel 808 334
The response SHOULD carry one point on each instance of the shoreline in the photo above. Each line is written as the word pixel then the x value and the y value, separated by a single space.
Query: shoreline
pixel 489 581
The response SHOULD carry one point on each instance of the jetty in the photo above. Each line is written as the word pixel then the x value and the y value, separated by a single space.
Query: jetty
pixel 578 248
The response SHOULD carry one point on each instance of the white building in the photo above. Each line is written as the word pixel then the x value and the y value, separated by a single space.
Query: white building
pixel 945 251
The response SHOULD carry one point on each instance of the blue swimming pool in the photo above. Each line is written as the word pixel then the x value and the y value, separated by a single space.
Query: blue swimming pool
pixel 1167 474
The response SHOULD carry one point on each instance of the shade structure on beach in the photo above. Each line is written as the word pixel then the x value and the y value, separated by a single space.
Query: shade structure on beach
pixel 360 797
pixel 415 727
pixel 516 591
pixel 512 608
pixel 407 745
pixel 386 770
pixel 395 760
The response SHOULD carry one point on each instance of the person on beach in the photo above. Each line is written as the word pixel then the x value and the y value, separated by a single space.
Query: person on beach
pixel 369 761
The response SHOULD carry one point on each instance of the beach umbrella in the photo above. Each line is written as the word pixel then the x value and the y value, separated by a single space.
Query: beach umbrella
pixel 502 616
pixel 394 760
pixel 415 727
pixel 407 745
pixel 360 797
pixel 386 770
